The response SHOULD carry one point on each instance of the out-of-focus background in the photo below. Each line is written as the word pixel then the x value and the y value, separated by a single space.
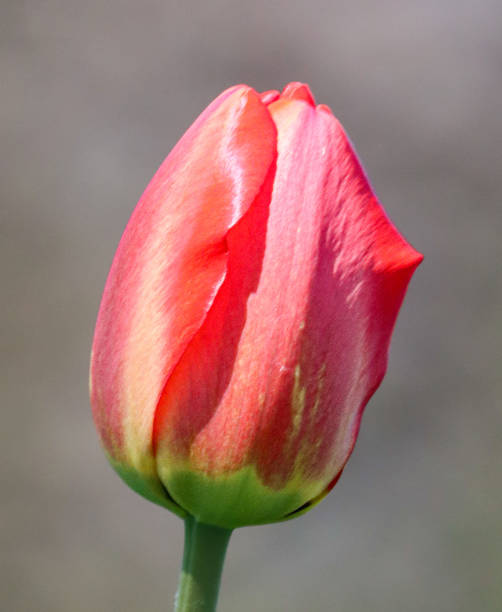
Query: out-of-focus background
pixel 93 96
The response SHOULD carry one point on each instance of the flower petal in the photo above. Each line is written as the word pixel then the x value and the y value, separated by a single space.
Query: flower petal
pixel 341 268
pixel 170 265
pixel 298 91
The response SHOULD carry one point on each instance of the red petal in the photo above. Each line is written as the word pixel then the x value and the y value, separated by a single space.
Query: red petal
pixel 170 264
pixel 199 382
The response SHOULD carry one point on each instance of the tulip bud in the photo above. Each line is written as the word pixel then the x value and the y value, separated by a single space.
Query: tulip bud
pixel 247 316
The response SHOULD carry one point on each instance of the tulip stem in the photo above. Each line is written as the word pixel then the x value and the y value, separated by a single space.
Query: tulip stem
pixel 203 557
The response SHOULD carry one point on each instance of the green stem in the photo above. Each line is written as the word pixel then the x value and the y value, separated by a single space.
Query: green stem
pixel 203 557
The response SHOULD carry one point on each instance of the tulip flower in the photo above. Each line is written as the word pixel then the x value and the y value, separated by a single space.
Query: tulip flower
pixel 247 316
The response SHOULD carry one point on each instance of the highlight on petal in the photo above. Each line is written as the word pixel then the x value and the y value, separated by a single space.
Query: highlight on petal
pixel 267 97
pixel 169 267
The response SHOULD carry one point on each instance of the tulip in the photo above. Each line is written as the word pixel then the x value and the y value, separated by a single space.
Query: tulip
pixel 247 316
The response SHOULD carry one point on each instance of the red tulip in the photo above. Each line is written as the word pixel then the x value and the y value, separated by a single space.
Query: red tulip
pixel 248 312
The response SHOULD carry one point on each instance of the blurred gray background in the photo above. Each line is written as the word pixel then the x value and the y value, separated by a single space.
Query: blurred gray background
pixel 93 96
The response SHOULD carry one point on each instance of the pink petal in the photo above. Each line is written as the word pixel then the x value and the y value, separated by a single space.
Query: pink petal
pixel 170 265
